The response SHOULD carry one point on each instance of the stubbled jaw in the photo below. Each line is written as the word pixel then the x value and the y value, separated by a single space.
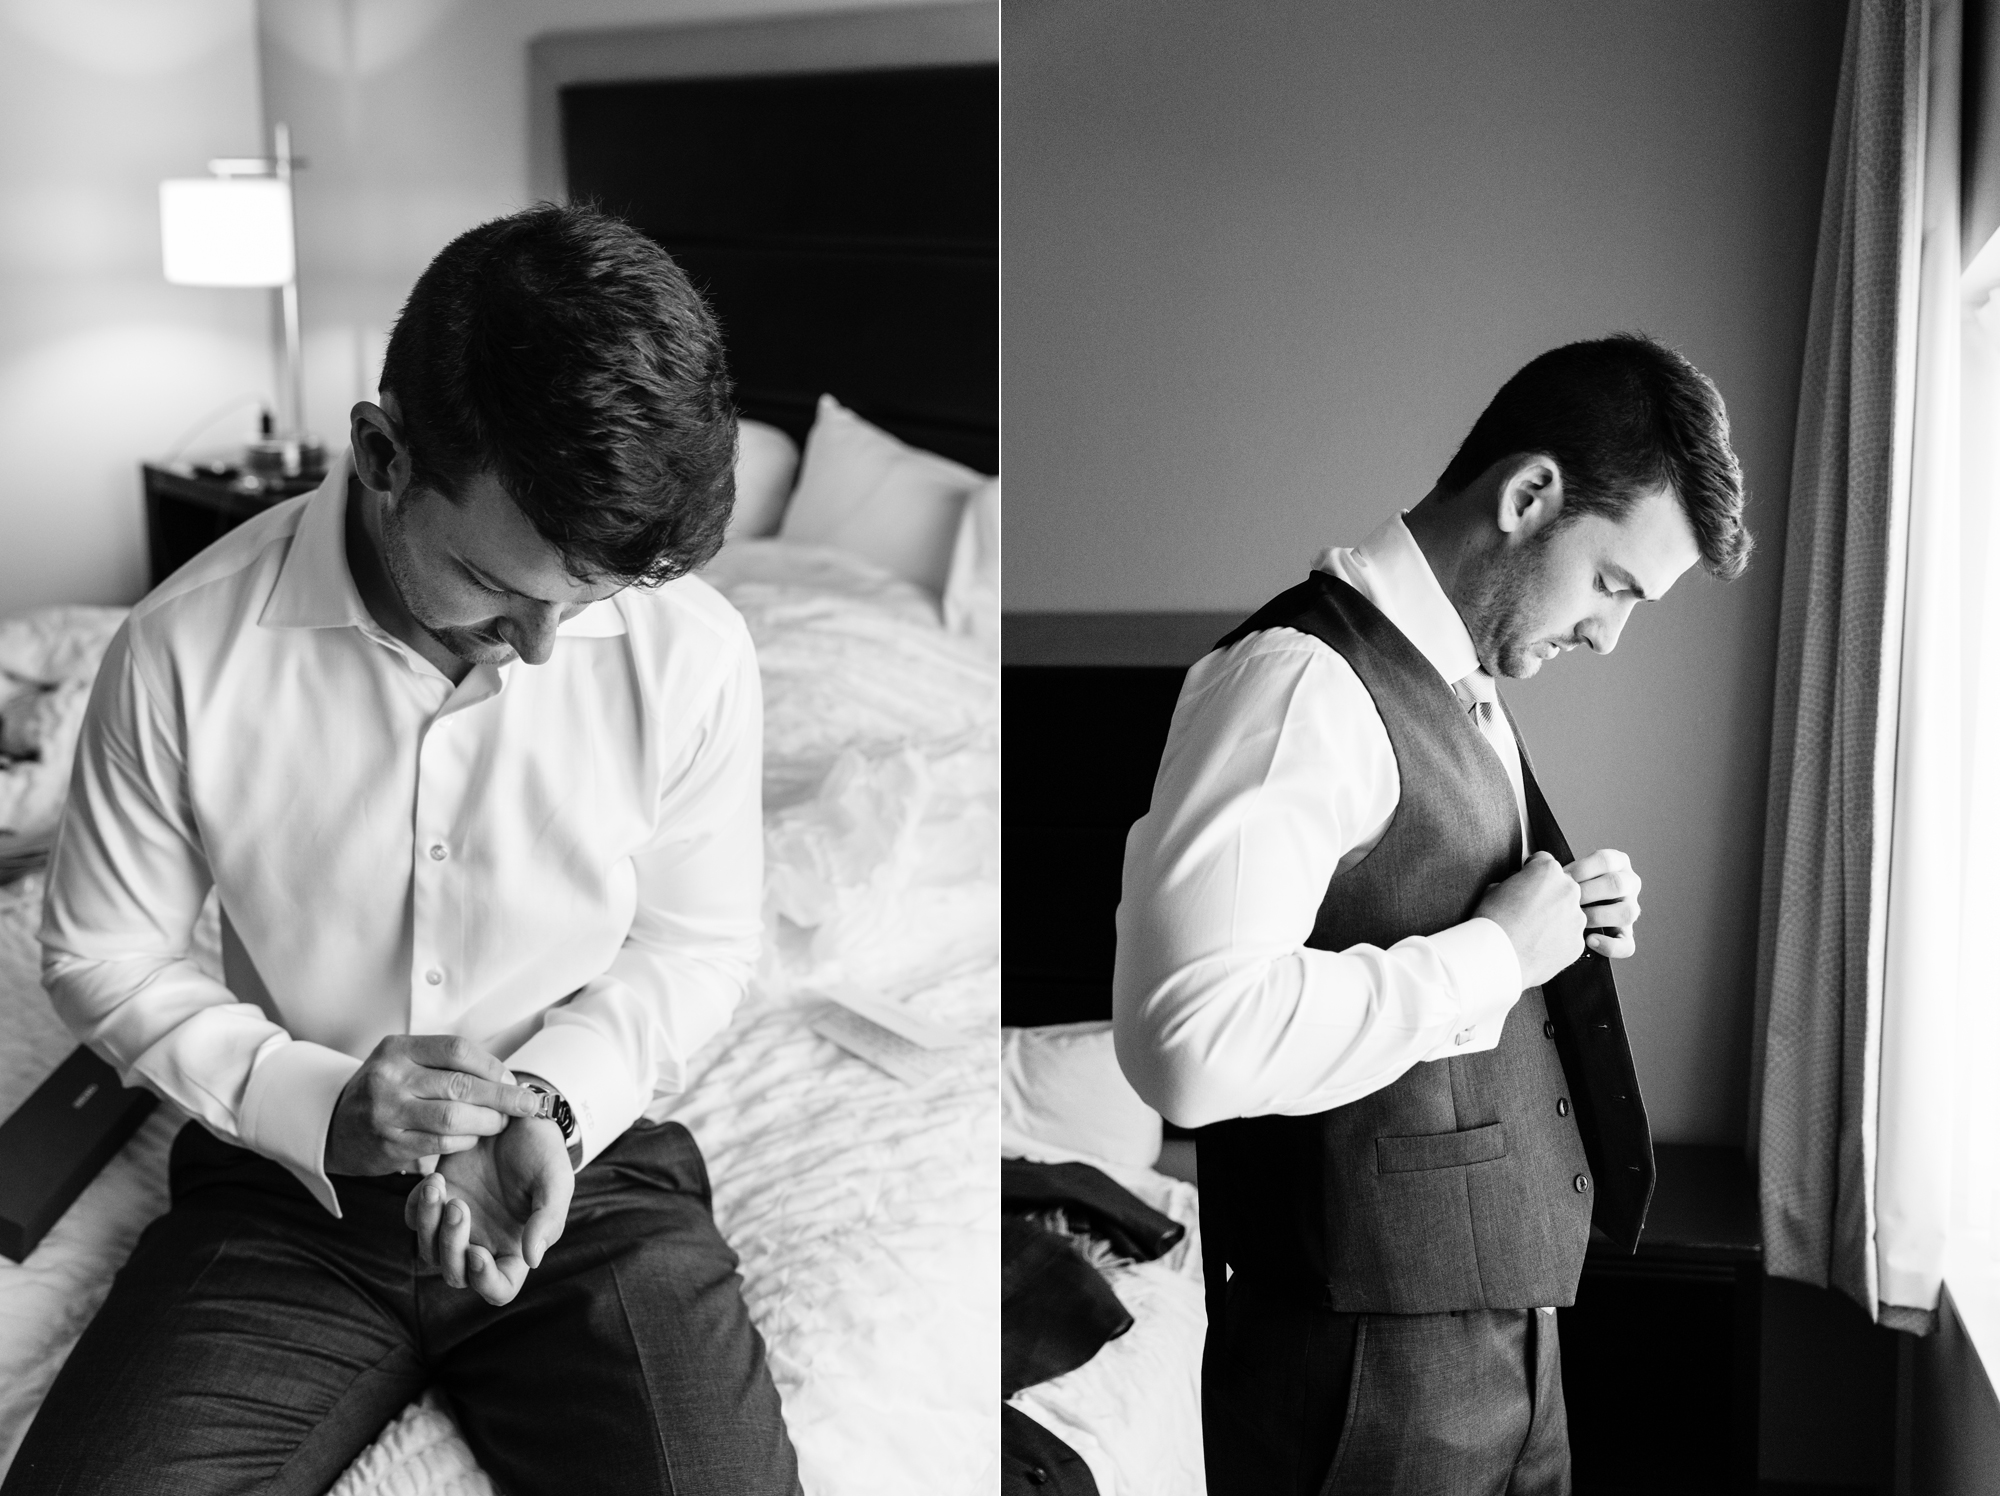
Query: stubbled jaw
pixel 1524 660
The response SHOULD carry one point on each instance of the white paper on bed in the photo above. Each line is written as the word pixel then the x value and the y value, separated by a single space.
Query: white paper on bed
pixel 865 1212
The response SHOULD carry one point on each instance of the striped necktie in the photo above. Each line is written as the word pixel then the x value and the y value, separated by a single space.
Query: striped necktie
pixel 1482 704
pixel 1480 697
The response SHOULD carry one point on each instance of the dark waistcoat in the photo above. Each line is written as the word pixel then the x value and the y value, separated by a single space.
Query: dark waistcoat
pixel 1470 1182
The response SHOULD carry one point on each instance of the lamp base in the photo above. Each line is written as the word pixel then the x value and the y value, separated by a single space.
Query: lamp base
pixel 298 456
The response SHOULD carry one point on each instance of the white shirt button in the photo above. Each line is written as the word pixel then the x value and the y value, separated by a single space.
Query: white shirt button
pixel 1463 1036
pixel 434 976
pixel 438 853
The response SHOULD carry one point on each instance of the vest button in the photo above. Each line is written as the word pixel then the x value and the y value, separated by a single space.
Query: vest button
pixel 1562 1106
pixel 1582 1183
pixel 1549 1027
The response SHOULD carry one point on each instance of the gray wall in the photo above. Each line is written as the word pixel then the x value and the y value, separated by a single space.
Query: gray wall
pixel 102 363
pixel 1265 263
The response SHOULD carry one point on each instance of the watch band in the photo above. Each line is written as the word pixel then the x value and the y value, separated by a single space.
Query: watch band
pixel 555 1108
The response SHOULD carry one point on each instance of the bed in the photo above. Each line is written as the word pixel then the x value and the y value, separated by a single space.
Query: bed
pixel 1132 1412
pixel 863 1206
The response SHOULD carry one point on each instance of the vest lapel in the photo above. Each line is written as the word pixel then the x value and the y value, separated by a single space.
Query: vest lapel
pixel 1597 1058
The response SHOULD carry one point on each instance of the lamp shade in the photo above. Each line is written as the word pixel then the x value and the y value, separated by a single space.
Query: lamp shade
pixel 226 231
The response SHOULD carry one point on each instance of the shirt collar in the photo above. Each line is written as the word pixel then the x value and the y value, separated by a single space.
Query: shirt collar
pixel 315 588
pixel 1390 569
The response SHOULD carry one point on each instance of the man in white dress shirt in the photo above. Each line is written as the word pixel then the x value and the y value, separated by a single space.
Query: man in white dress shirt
pixel 1355 952
pixel 472 767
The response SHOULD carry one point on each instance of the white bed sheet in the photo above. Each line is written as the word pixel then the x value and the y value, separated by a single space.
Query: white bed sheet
pixel 865 1211
pixel 1133 1411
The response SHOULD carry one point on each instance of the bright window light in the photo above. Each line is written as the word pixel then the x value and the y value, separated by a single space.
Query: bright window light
pixel 226 231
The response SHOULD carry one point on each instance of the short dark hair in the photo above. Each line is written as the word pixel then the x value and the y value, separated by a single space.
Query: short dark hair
pixel 565 353
pixel 1620 416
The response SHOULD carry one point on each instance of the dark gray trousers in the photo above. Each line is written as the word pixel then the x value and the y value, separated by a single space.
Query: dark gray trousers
pixel 253 1343
pixel 1305 1401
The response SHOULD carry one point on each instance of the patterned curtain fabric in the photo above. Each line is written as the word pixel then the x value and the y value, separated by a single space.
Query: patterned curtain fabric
pixel 1859 964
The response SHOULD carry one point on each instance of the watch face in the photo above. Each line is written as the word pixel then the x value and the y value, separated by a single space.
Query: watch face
pixel 555 1108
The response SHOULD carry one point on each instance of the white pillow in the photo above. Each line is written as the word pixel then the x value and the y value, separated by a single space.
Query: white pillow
pixel 1061 1089
pixel 766 462
pixel 972 591
pixel 887 502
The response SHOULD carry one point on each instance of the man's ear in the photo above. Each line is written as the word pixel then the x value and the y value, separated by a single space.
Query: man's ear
pixel 1530 497
pixel 381 458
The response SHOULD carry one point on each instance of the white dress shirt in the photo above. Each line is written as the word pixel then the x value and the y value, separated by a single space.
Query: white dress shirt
pixel 562 862
pixel 1277 773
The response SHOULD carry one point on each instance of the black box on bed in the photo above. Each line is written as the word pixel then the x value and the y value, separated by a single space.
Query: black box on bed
pixel 58 1140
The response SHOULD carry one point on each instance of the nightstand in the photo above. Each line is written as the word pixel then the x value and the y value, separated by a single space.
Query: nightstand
pixel 1661 1351
pixel 189 507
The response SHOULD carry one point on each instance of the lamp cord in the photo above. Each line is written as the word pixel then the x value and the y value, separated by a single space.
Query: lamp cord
pixel 234 404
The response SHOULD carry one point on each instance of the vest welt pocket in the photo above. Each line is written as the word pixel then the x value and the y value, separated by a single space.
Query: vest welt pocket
pixel 1441 1150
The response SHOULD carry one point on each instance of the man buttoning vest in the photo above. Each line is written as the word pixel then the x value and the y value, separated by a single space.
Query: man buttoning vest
pixel 1356 953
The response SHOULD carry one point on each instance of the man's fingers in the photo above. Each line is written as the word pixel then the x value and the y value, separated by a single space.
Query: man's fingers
pixel 454 1235
pixel 1597 864
pixel 1617 944
pixel 544 1230
pixel 414 1145
pixel 422 1212
pixel 549 1195
pixel 1620 883
pixel 1611 913
pixel 495 1279
pixel 451 1052
pixel 452 1118
pixel 465 1088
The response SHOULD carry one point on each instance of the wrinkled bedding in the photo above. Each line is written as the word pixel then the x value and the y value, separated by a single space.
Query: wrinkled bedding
pixel 865 1211
pixel 1133 1411
pixel 47 661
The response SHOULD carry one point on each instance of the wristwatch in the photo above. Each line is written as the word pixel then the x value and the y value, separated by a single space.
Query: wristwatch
pixel 556 1108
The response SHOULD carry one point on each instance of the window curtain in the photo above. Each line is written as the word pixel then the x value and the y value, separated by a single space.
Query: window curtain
pixel 1873 977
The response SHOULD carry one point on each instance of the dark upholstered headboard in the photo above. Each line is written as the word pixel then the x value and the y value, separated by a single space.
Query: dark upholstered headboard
pixel 1086 700
pixel 830 182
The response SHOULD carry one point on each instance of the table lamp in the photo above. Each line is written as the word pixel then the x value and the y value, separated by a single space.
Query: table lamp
pixel 236 227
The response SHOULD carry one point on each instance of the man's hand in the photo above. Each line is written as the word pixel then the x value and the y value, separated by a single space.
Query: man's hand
pixel 1609 892
pixel 1540 909
pixel 419 1094
pixel 489 1213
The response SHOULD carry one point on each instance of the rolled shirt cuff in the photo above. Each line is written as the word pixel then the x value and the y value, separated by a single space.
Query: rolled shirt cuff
pixel 1485 974
pixel 288 1106
pixel 593 1076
